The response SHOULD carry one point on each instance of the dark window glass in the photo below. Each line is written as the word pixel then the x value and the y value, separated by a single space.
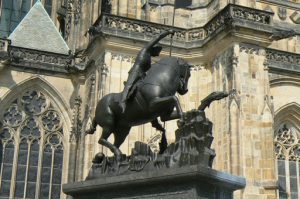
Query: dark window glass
pixel 106 6
pixel 56 190
pixel 30 192
pixel 21 169
pixel 5 188
pixel 19 191
pixel 6 172
pixel 25 7
pixel 8 153
pixel 7 4
pixel 48 6
pixel 27 161
pixel 44 191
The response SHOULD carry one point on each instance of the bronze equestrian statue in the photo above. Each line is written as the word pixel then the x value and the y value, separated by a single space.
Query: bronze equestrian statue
pixel 141 66
pixel 151 95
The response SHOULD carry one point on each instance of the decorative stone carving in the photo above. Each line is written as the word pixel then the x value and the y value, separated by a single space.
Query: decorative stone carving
pixel 33 59
pixel 34 102
pixel 287 60
pixel 32 123
pixel 249 48
pixel 282 14
pixel 30 129
pixel 198 67
pixel 295 17
pixel 251 15
pixel 287 144
pixel 13 116
pixel 77 122
pixel 229 15
pixel 51 121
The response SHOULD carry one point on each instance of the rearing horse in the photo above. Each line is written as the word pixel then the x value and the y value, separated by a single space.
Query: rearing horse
pixel 154 97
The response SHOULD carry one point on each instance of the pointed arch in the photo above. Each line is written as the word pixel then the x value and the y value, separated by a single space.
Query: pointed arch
pixel 234 137
pixel 287 148
pixel 288 113
pixel 38 115
pixel 43 85
pixel 266 114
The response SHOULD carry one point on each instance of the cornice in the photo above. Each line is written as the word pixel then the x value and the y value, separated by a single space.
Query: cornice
pixel 286 3
pixel 192 7
pixel 37 60
pixel 231 18
pixel 283 62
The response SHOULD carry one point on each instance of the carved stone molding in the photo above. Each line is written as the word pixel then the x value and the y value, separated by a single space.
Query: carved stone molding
pixel 282 13
pixel 122 57
pixel 287 145
pixel 104 70
pixel 77 122
pixel 199 67
pixel 252 15
pixel 295 17
pixel 232 15
pixel 280 61
pixel 249 48
pixel 38 60
pixel 282 57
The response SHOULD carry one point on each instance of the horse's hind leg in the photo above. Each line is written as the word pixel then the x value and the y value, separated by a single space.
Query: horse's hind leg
pixel 120 136
pixel 163 142
pixel 103 141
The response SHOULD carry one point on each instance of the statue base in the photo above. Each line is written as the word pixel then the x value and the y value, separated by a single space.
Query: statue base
pixel 192 182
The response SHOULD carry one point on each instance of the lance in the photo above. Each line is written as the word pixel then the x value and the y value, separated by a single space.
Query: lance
pixel 178 4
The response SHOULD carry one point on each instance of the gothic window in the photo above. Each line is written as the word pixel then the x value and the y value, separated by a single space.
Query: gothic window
pixel 13 11
pixel 26 4
pixel 106 6
pixel 48 6
pixel 32 151
pixel 287 150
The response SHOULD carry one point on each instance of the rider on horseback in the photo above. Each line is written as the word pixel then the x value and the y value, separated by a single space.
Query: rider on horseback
pixel 141 66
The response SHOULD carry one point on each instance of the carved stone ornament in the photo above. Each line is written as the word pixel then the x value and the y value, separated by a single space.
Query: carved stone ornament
pixel 287 144
pixel 34 59
pixel 295 17
pixel 230 15
pixel 282 13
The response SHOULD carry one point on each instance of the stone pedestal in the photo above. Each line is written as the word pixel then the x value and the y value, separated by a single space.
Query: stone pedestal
pixel 183 171
pixel 190 182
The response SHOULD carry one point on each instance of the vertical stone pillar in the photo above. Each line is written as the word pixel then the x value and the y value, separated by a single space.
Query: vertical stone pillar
pixel 74 138
pixel 255 157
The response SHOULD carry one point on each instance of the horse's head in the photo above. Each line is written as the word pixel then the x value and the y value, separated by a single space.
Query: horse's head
pixel 184 75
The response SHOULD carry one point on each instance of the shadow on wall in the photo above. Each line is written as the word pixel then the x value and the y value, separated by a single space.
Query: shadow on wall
pixel 6 79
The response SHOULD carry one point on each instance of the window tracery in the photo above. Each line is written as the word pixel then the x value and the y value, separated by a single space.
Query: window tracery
pixel 32 138
pixel 287 150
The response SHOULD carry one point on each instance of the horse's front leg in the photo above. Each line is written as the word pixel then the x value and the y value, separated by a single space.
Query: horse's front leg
pixel 160 103
pixel 163 142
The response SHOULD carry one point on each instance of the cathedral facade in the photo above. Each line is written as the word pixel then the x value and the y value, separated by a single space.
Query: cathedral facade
pixel 58 58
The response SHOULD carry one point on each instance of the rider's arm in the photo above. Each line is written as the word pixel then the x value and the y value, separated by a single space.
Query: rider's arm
pixel 157 39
